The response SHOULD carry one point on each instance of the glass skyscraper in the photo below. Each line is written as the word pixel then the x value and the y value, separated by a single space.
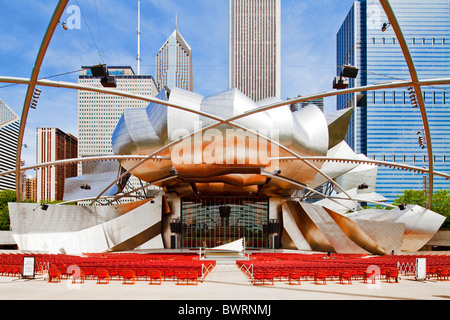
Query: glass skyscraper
pixel 9 135
pixel 385 126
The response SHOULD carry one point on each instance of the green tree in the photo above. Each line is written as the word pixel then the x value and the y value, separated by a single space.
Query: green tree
pixel 441 202
pixel 416 197
pixel 5 197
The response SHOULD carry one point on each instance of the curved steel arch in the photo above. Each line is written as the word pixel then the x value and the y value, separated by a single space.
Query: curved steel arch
pixel 415 83
pixel 77 160
pixel 221 121
pixel 418 89
pixel 399 166
pixel 32 85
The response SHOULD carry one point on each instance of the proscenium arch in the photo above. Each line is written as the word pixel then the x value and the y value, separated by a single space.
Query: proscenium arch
pixel 415 83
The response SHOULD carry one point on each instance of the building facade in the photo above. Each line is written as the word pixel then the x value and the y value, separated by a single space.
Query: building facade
pixel 53 144
pixel 385 126
pixel 174 64
pixel 98 113
pixel 31 189
pixel 9 135
pixel 255 48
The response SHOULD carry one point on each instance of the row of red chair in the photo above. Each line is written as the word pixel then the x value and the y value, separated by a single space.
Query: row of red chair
pixel 127 276
pixel 128 267
pixel 319 276
pixel 265 268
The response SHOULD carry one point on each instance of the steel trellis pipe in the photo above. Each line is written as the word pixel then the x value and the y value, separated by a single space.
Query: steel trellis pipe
pixel 415 79
pixel 32 85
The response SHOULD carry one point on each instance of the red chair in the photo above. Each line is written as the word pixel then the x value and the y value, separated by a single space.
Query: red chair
pixel 181 276
pixel 294 276
pixel 54 274
pixel 113 272
pixel 128 276
pixel 102 276
pixel 285 273
pixel 88 272
pixel 268 275
pixel 8 270
pixel 431 272
pixel 345 275
pixel 192 277
pixel 258 277
pixel 78 276
pixel 310 274
pixel 277 274
pixel 16 271
pixel 169 273
pixel 141 273
pixel 320 275
pixel 155 277
pixel 443 274
pixel 392 274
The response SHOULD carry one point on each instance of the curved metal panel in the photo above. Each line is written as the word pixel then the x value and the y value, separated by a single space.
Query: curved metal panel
pixel 308 227
pixel 78 229
pixel 355 233
pixel 225 155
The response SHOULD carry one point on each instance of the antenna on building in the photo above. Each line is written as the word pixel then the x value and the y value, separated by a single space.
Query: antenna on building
pixel 139 39
pixel 176 21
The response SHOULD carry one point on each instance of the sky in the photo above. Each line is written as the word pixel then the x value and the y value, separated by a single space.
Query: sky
pixel 107 33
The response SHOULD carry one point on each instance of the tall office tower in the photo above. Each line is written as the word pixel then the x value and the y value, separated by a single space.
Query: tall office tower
pixel 98 113
pixel 385 125
pixel 9 135
pixel 31 189
pixel 174 64
pixel 255 47
pixel 52 145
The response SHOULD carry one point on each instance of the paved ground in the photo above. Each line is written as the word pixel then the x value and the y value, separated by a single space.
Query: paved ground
pixel 224 283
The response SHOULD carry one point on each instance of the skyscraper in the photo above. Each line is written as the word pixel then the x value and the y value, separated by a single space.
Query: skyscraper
pixel 174 63
pixel 255 47
pixel 98 113
pixel 9 135
pixel 53 144
pixel 385 125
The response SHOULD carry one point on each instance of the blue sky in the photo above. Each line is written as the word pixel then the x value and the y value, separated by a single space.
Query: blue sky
pixel 308 49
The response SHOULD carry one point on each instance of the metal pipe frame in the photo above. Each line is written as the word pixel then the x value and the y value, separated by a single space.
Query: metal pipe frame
pixel 286 179
pixel 32 84
pixel 68 85
pixel 415 79
pixel 33 81
pixel 395 165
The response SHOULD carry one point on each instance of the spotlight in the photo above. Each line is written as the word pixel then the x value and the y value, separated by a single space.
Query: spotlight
pixel 340 82
pixel 349 72
pixel 63 25
pixel 99 70
pixel 36 94
pixel 109 81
